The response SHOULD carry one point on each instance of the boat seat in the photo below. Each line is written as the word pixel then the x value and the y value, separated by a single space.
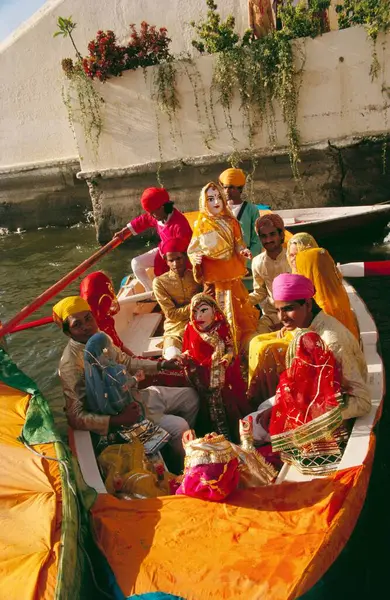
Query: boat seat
pixel 140 331
pixel 154 348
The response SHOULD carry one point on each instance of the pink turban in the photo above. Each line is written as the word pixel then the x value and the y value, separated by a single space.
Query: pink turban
pixel 288 287
pixel 153 198
pixel 174 245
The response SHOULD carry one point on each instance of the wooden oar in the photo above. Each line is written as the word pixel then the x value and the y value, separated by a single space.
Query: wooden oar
pixel 32 324
pixel 357 269
pixel 61 284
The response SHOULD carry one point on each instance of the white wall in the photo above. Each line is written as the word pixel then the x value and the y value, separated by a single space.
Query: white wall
pixel 338 100
pixel 34 124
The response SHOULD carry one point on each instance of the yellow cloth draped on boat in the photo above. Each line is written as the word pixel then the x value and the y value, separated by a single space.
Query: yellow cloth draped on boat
pixel 30 508
pixel 267 360
pixel 317 264
pixel 270 542
pixel 219 240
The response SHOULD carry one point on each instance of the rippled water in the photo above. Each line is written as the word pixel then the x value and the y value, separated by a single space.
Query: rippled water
pixel 31 262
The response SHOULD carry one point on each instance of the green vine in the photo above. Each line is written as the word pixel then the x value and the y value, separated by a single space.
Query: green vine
pixel 209 131
pixel 261 69
pixel 80 89
pixel 165 93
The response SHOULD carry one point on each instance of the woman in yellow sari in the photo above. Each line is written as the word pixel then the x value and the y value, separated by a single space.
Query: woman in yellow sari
pixel 306 258
pixel 297 243
pixel 218 255
pixel 331 296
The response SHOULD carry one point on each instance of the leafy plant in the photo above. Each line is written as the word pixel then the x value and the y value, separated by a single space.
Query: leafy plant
pixel 304 21
pixel 65 28
pixel 217 35
pixel 149 46
pixel 81 89
pixel 373 14
pixel 262 70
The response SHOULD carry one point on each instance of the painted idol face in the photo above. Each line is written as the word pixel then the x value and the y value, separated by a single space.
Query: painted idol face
pixel 214 201
pixel 204 316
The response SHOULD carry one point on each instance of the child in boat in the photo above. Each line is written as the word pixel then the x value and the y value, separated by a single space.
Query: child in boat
pixel 161 215
pixel 214 368
pixel 173 292
pixel 218 255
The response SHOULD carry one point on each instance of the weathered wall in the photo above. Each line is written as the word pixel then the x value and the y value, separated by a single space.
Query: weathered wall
pixel 34 126
pixel 340 112
pixel 33 119
pixel 44 194
pixel 331 176
pixel 338 100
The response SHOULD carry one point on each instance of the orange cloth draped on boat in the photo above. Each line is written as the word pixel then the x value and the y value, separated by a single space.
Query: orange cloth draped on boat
pixel 30 507
pixel 267 360
pixel 219 240
pixel 270 542
pixel 331 296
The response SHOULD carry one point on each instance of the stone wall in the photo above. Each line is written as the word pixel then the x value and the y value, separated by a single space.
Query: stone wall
pixel 40 195
pixel 331 176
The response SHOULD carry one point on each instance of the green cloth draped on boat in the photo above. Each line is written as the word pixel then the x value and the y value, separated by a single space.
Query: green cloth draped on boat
pixel 39 427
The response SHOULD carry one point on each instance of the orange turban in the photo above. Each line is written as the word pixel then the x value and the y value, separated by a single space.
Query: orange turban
pixel 67 307
pixel 270 217
pixel 234 177
pixel 153 198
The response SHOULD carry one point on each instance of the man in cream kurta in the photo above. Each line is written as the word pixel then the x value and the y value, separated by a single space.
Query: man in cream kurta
pixel 266 266
pixel 174 409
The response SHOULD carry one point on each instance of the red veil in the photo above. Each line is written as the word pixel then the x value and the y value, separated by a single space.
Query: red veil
pixel 306 419
pixel 96 288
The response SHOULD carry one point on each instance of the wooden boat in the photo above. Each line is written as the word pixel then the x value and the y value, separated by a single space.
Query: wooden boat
pixel 326 222
pixel 272 542
pixel 335 220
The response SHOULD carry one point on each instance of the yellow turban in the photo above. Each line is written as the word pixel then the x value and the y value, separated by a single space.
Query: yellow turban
pixel 68 306
pixel 234 177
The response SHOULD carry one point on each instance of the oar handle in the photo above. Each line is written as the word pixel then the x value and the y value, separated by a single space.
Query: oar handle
pixel 63 282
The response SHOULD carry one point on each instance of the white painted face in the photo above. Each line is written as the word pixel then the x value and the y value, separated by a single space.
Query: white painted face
pixel 204 316
pixel 293 251
pixel 214 201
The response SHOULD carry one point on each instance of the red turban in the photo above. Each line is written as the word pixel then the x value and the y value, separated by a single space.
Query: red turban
pixel 270 217
pixel 153 198
pixel 174 245
pixel 288 287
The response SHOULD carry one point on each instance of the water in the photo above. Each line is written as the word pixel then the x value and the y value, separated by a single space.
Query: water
pixel 31 262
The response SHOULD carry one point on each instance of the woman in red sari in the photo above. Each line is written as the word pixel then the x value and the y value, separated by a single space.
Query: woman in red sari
pixel 214 369
pixel 306 423
pixel 97 289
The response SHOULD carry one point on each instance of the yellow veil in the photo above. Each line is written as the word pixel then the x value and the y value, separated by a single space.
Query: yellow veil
pixel 331 296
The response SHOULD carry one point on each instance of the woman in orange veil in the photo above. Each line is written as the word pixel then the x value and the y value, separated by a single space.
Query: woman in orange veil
pixel 218 255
